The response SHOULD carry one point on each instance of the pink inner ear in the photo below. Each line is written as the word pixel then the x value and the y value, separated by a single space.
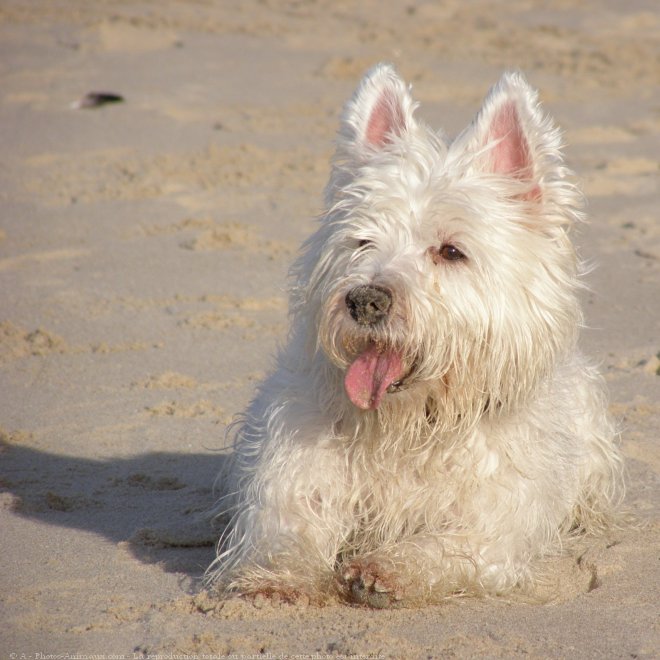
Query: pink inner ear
pixel 386 118
pixel 511 155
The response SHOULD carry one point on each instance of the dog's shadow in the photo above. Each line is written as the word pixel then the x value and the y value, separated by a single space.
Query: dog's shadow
pixel 158 505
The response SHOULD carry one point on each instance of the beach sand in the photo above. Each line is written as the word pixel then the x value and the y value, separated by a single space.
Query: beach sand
pixel 144 248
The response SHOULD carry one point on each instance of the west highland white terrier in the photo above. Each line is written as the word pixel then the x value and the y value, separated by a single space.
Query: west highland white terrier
pixel 430 427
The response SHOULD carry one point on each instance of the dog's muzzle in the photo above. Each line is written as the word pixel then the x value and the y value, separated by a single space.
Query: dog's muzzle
pixel 369 304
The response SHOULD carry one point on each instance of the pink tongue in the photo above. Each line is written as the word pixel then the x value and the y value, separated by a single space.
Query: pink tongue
pixel 370 375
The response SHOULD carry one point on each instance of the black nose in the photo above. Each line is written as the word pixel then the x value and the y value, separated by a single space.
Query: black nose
pixel 369 304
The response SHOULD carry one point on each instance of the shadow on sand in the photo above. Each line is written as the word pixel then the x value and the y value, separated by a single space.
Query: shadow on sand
pixel 159 504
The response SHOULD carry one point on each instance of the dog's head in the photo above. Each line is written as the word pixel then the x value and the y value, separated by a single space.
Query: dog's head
pixel 442 271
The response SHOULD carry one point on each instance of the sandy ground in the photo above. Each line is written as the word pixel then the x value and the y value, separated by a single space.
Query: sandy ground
pixel 143 257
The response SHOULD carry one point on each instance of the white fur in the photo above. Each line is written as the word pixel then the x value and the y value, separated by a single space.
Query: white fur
pixel 499 446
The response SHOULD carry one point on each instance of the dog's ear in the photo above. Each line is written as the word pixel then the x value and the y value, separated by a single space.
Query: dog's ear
pixel 511 137
pixel 380 111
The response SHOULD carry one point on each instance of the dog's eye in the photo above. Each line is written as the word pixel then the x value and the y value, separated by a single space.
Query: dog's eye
pixel 446 252
pixel 363 243
pixel 451 253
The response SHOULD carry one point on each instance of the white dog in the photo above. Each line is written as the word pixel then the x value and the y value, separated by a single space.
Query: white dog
pixel 430 427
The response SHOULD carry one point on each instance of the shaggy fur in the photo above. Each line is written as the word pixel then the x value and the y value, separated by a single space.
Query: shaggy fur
pixel 430 427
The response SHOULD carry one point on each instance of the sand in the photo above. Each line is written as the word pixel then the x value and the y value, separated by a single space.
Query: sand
pixel 143 255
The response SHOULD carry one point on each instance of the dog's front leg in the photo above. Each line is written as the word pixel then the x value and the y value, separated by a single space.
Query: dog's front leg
pixel 289 521
pixel 427 566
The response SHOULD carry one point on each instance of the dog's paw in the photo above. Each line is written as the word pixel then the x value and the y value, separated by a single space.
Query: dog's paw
pixel 368 583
